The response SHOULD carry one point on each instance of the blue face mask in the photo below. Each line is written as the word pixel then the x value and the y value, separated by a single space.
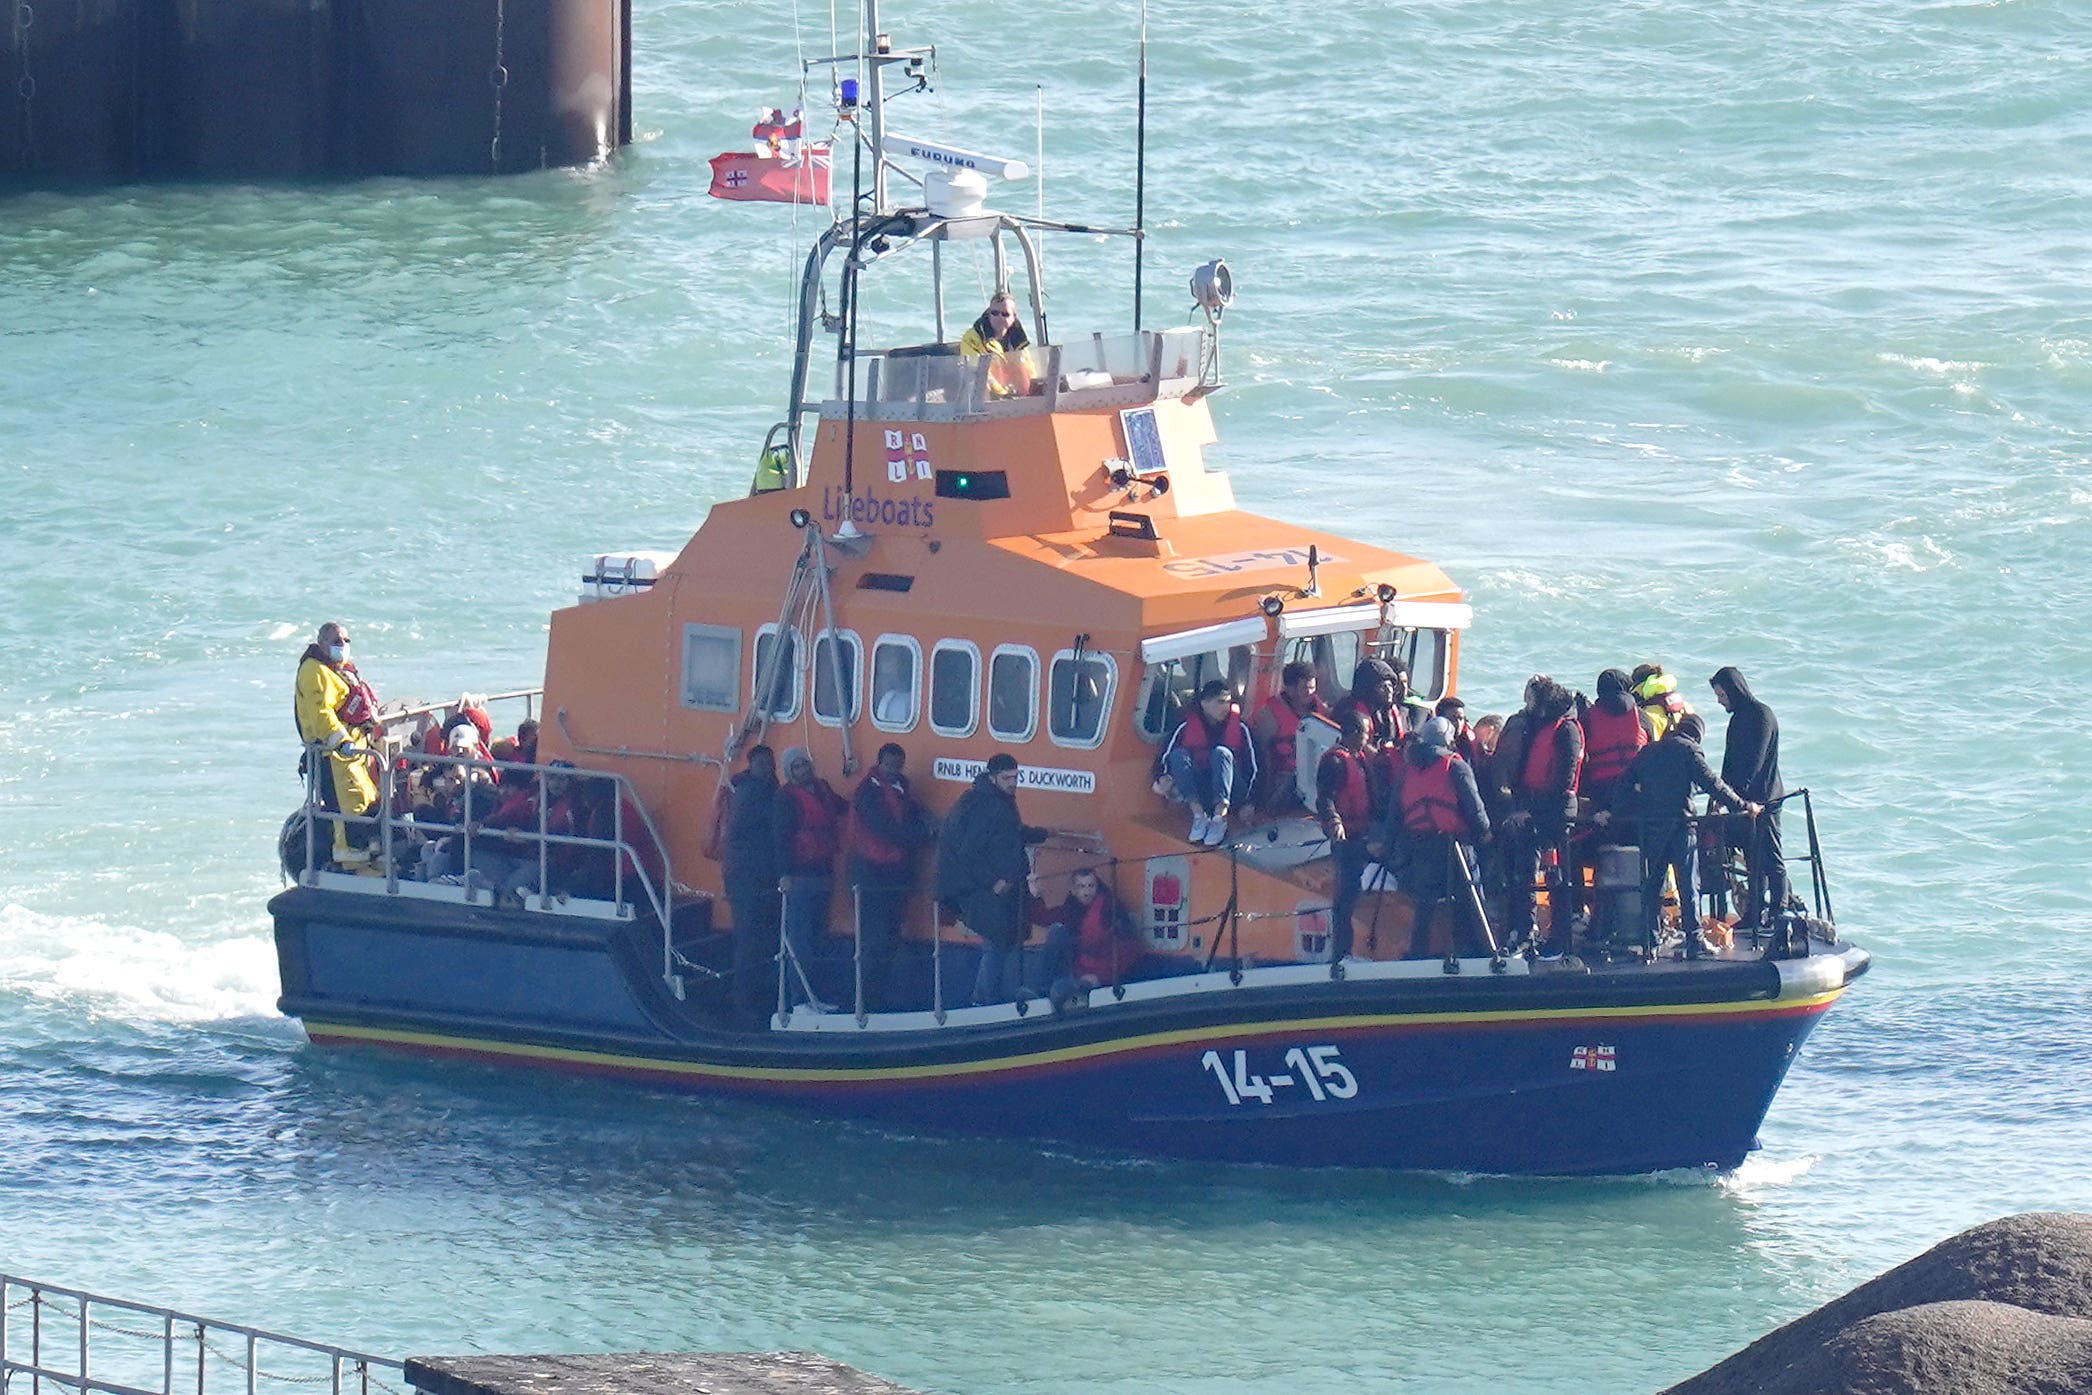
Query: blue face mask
pixel 338 653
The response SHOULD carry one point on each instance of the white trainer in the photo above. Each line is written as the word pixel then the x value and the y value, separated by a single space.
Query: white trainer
pixel 1216 830
pixel 1199 823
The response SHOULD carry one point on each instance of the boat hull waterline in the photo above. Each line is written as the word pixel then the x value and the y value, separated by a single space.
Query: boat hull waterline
pixel 1550 1074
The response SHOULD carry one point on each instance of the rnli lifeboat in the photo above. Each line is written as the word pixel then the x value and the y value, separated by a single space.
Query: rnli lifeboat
pixel 1027 554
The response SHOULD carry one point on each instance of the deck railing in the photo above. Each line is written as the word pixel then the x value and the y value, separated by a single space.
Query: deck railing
pixel 95 1345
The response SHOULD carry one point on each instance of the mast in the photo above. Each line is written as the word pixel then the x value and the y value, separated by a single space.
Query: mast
pixel 876 63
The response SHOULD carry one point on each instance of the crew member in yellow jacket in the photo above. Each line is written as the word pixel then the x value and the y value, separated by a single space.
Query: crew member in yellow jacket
pixel 998 335
pixel 337 710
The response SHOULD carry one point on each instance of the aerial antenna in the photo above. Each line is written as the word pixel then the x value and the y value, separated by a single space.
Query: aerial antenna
pixel 1140 166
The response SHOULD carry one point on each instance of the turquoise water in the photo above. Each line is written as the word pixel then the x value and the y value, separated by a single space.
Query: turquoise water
pixel 1711 333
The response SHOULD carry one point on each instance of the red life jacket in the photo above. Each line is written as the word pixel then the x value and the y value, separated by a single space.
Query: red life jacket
pixel 1430 804
pixel 1353 800
pixel 1199 742
pixel 1285 752
pixel 1610 741
pixel 866 842
pixel 1097 941
pixel 1543 761
pixel 815 832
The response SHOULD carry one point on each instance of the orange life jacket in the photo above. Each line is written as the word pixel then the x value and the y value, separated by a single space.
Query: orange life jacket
pixel 1354 797
pixel 1610 741
pixel 1285 722
pixel 866 842
pixel 815 831
pixel 1430 803
pixel 1543 761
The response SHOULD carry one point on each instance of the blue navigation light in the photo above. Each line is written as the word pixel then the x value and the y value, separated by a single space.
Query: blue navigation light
pixel 849 90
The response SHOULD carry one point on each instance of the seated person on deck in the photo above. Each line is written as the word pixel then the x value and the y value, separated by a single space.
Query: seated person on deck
pixel 998 335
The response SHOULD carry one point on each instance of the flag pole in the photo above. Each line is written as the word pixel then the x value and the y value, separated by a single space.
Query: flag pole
pixel 1140 167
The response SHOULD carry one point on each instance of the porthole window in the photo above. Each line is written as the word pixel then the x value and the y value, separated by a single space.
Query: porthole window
pixel 1013 693
pixel 711 667
pixel 774 677
pixel 897 663
pixel 955 687
pixel 838 659
pixel 1078 698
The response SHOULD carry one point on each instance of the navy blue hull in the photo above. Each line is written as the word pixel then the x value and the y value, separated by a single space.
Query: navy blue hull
pixel 1562 1073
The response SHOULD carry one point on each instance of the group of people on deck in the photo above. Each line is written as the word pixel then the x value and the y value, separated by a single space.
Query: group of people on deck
pixel 1495 809
pixel 475 795
pixel 780 843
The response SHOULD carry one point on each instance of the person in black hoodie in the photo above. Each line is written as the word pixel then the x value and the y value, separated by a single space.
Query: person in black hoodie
pixel 1655 798
pixel 749 859
pixel 983 872
pixel 1751 764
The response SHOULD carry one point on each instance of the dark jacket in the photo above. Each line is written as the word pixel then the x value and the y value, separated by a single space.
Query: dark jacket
pixel 1656 792
pixel 1751 750
pixel 751 849
pixel 873 816
pixel 984 842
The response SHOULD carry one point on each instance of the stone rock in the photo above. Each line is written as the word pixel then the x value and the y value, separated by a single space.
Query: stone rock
pixel 644 1373
pixel 2004 1308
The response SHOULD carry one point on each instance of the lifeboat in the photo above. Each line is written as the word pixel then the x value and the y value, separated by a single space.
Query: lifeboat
pixel 1021 554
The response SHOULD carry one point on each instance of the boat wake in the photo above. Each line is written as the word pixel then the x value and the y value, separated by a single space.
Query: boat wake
pixel 127 972
pixel 1758 1173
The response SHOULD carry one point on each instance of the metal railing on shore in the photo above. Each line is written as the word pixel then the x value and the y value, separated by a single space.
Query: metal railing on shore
pixel 95 1345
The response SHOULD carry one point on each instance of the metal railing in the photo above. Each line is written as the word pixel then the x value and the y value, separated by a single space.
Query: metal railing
pixel 628 849
pixel 96 1345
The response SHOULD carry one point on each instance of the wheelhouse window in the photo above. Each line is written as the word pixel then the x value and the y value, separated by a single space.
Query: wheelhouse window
pixel 838 661
pixel 774 678
pixel 1335 658
pixel 711 667
pixel 1425 652
pixel 1078 697
pixel 897 663
pixel 1168 688
pixel 955 687
pixel 1013 693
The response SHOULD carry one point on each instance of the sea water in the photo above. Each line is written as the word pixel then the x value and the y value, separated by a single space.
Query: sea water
pixel 1704 333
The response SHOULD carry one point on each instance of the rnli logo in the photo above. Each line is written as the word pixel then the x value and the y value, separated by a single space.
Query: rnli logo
pixel 1592 1058
pixel 907 456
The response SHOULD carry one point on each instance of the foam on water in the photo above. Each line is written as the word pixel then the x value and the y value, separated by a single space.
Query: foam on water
pixel 130 974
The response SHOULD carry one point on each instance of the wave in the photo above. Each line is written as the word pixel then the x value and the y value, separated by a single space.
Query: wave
pixel 128 972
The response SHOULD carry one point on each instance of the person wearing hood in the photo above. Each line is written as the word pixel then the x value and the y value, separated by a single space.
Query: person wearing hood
pixel 1438 811
pixel 807 832
pixel 337 716
pixel 748 857
pixel 1378 687
pixel 1751 763
pixel 1657 698
pixel 1540 758
pixel 983 874
pixel 1613 733
pixel 998 336
pixel 1654 797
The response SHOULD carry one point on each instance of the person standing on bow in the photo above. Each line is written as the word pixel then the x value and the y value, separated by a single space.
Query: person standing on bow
pixel 807 824
pixel 1209 762
pixel 887 828
pixel 1751 763
pixel 1438 812
pixel 998 336
pixel 1276 731
pixel 984 874
pixel 337 715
